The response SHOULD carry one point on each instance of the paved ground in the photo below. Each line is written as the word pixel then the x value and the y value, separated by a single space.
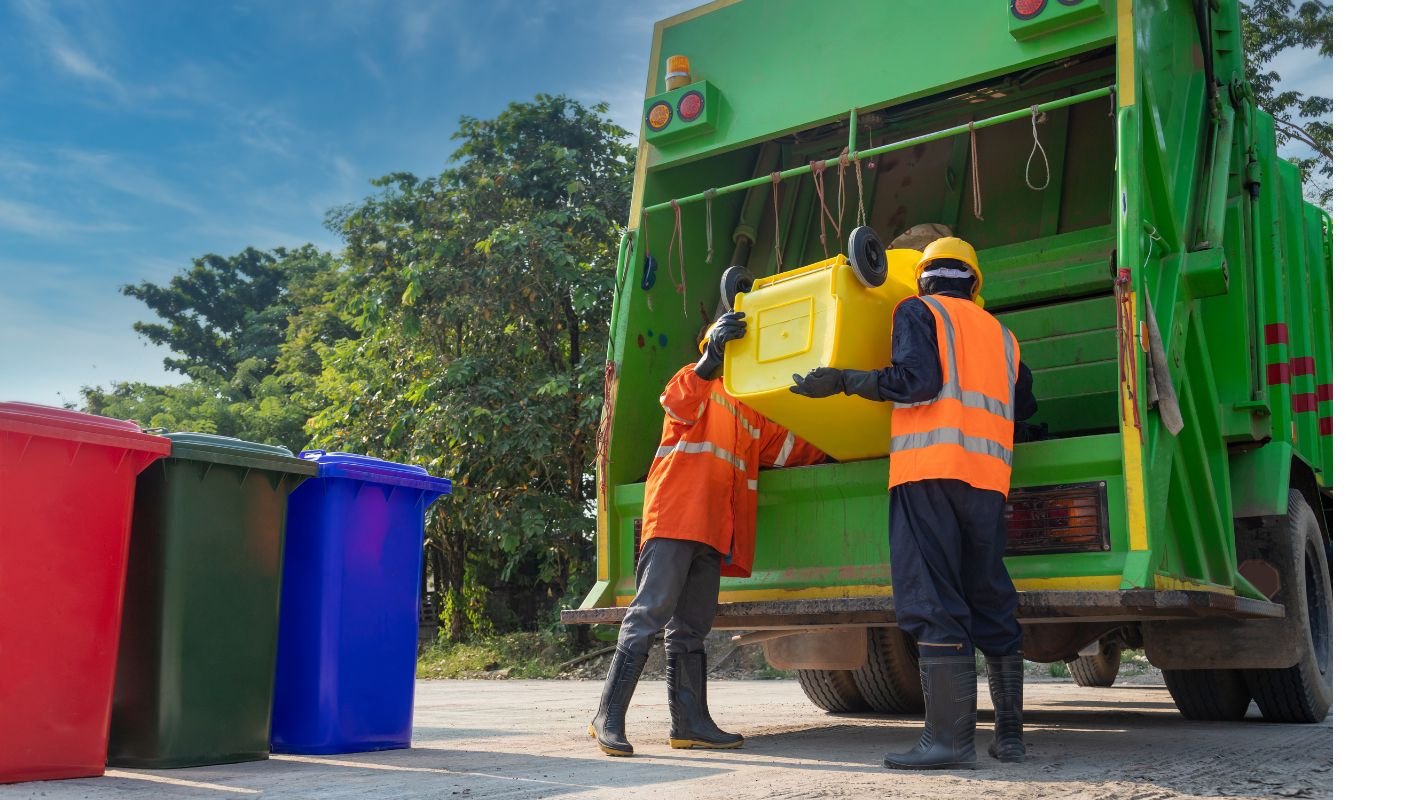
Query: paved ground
pixel 527 739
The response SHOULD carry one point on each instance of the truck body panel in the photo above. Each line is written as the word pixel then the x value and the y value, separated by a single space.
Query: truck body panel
pixel 1157 207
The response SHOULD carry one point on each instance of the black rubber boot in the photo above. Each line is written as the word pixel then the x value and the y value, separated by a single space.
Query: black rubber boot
pixel 950 700
pixel 691 719
pixel 609 726
pixel 1005 683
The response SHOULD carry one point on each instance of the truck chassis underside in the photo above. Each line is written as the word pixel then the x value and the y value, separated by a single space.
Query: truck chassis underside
pixel 1032 607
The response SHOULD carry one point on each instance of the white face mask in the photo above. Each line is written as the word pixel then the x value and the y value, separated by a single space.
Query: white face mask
pixel 944 272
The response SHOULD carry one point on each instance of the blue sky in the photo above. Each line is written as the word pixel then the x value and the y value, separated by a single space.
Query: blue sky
pixel 138 134
pixel 135 136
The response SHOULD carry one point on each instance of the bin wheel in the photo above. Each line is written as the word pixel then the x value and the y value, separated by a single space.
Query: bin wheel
pixel 867 257
pixel 734 281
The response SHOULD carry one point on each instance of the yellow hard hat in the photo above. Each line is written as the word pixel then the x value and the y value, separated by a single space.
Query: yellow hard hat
pixel 953 247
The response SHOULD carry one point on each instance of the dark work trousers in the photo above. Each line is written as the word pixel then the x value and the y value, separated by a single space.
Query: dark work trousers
pixel 951 590
pixel 677 585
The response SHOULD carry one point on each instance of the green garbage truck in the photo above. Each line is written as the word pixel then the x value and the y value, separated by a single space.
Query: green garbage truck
pixel 1138 232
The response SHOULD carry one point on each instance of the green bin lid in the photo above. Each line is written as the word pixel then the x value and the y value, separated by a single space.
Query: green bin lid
pixel 237 452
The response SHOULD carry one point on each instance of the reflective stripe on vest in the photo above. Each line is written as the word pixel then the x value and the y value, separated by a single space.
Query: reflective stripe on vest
pixel 952 390
pixel 973 423
pixel 785 450
pixel 973 444
pixel 694 448
pixel 736 412
pixel 699 411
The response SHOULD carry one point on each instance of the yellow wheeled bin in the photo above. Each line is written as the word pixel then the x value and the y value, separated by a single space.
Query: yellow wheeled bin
pixel 824 314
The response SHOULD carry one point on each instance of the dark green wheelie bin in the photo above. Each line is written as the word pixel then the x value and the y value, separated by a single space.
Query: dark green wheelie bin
pixel 197 649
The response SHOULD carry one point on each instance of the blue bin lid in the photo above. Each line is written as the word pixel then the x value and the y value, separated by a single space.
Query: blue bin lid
pixel 375 470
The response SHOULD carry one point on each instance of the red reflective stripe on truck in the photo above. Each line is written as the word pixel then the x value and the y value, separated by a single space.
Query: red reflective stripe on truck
pixel 1325 426
pixel 1325 392
pixel 1277 373
pixel 1278 333
pixel 1306 401
pixel 1302 365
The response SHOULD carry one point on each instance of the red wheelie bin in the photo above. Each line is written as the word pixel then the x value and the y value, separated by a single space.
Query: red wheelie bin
pixel 66 506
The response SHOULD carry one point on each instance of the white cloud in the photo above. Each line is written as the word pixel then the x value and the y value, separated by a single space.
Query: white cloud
pixel 114 173
pixel 31 220
pixel 52 36
pixel 268 130
pixel 80 65
pixel 415 29
pixel 343 168
pixel 371 66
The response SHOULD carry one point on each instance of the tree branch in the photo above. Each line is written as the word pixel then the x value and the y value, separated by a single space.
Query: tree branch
pixel 1297 133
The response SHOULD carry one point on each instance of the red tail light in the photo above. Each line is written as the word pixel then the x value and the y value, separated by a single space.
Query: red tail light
pixel 1027 9
pixel 1058 519
pixel 690 106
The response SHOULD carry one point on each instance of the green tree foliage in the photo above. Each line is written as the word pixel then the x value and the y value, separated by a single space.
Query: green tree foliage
pixel 1271 27
pixel 462 329
pixel 223 311
pixel 243 329
pixel 482 298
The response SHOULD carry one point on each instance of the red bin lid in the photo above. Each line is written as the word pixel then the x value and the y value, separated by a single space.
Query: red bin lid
pixel 61 423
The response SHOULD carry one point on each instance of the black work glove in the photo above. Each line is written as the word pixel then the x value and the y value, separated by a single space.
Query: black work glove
pixel 820 382
pixel 864 383
pixel 731 325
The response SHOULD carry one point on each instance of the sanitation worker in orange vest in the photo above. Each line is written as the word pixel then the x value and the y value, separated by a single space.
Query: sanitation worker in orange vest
pixel 698 523
pixel 959 387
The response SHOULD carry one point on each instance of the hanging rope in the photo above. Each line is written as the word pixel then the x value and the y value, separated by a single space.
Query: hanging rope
pixel 859 181
pixel 973 157
pixel 1037 146
pixel 817 173
pixel 1152 236
pixel 817 177
pixel 680 286
pixel 775 206
pixel 843 163
pixel 604 423
pixel 710 240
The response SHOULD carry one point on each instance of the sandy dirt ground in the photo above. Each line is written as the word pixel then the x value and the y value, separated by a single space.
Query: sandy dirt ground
pixel 527 739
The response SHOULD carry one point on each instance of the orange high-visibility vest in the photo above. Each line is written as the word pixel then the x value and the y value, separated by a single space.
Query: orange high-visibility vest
pixel 704 482
pixel 965 433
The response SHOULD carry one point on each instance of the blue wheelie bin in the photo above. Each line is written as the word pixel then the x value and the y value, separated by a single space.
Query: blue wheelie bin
pixel 350 606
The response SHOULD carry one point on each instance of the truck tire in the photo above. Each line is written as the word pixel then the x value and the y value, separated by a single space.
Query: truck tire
pixel 889 680
pixel 1096 671
pixel 833 690
pixel 1211 695
pixel 1303 692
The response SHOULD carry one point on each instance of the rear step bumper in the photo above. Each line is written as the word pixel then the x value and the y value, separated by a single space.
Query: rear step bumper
pixel 1036 607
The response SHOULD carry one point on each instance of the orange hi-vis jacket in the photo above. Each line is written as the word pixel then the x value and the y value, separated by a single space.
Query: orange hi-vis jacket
pixel 965 433
pixel 703 483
